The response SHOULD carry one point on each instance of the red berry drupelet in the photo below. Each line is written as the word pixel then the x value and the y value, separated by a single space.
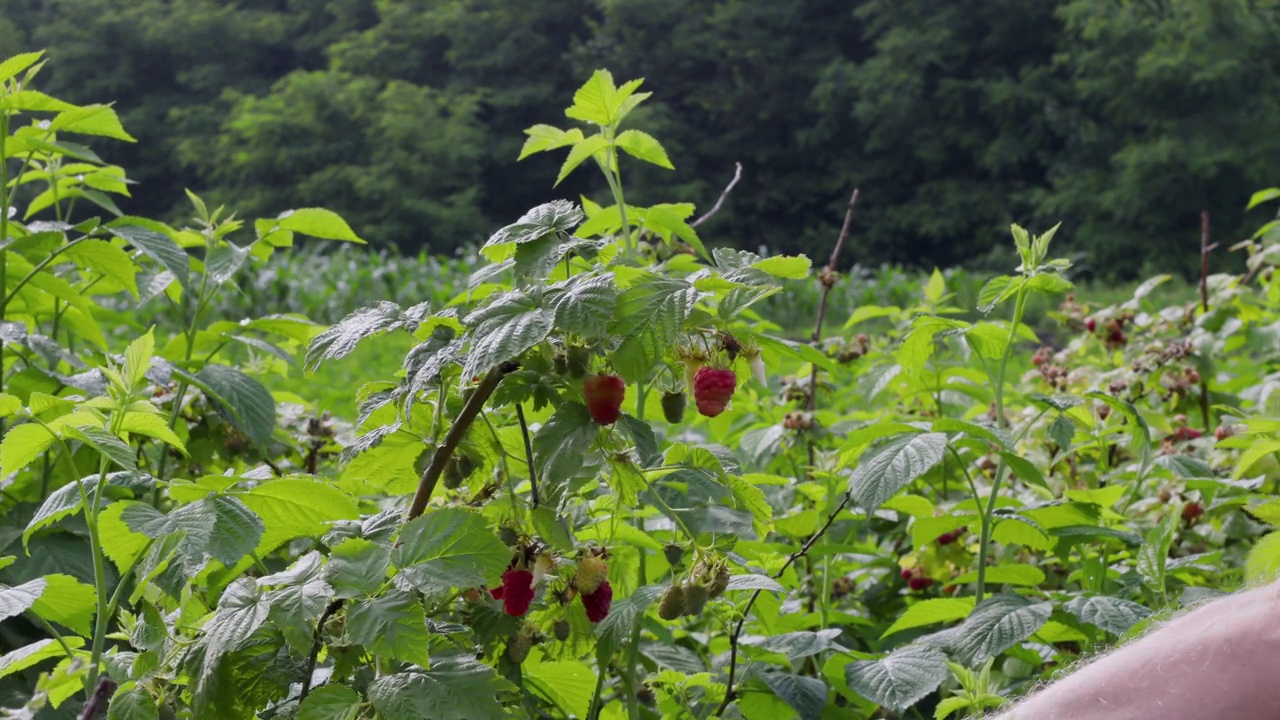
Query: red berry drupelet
pixel 712 390
pixel 604 395
pixel 517 592
pixel 597 603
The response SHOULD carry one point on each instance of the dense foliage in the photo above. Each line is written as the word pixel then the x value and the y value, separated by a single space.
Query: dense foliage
pixel 1125 120
pixel 602 481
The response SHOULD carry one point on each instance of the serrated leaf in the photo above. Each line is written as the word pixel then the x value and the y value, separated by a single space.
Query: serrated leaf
pixel 107 445
pixel 510 324
pixel 995 291
pixel 142 423
pixel 22 444
pixel 996 625
pixel 568 685
pixel 17 600
pixel 242 609
pixel 61 503
pixel 1025 575
pixel 357 567
pixel 107 259
pixel 447 549
pixel 901 679
pixel 37 652
pixel 643 146
pixel 133 704
pixel 796 645
pixel 1113 614
pixel 296 507
pixel 808 696
pixel 67 602
pixel 342 338
pixel 330 702
pixel 560 446
pixel 100 120
pixel 16 64
pixel 615 630
pixel 1263 563
pixel 649 315
pixel 791 267
pixel 456 688
pixel 754 582
pixel 884 470
pixel 579 153
pixel 557 217
pixel 584 304
pixel 546 137
pixel 930 612
pixel 318 223
pixel 236 530
pixel 157 246
pixel 600 102
pixel 392 625
pixel 242 400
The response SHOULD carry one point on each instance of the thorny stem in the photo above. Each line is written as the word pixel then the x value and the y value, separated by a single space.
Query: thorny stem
pixel 730 693
pixel 96 707
pixel 528 453
pixel 430 476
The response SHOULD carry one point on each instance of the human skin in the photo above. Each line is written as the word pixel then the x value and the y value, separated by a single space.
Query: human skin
pixel 1217 661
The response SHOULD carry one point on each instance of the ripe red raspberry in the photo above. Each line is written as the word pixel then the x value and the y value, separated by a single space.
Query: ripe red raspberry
pixel 604 395
pixel 712 389
pixel 517 592
pixel 1091 324
pixel 1192 511
pixel 919 583
pixel 592 573
pixel 597 603
pixel 906 573
pixel 1186 433
pixel 496 593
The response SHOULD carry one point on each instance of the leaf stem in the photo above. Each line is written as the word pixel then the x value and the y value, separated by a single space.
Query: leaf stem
pixel 528 454
pixel 984 545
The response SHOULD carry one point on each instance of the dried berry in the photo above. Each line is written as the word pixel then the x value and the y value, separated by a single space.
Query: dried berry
pixel 720 582
pixel 673 406
pixel 604 395
pixel 672 604
pixel 592 573
pixel 712 390
pixel 674 553
pixel 561 630
pixel 517 592
pixel 597 603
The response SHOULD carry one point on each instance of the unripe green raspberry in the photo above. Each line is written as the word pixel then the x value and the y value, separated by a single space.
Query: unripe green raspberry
pixel 672 604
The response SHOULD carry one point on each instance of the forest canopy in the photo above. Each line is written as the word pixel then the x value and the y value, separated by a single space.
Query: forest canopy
pixel 1122 119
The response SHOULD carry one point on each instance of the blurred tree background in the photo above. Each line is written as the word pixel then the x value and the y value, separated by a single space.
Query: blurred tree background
pixel 1123 118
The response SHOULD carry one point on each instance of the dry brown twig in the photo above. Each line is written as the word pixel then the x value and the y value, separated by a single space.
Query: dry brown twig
pixel 737 175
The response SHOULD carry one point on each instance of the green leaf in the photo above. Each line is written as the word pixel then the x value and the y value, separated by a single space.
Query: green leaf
pixel 62 502
pixel 296 507
pixel 510 324
pixel 807 695
pixel 996 625
pixel 581 152
pixel 450 548
pixel 796 645
pixel 995 291
pixel 643 146
pixel 330 702
pixel 455 688
pixel 141 423
pixel 949 706
pixel 300 600
pixel 242 400
pixel 1263 563
pixel 157 246
pixel 318 223
pixel 1113 614
pixel 67 602
pixel 1026 470
pixel 99 120
pixel 562 445
pixel 236 530
pixel 568 685
pixel 357 567
pixel 584 304
pixel 1255 200
pixel 22 444
pixel 1140 434
pixel 103 257
pixel 649 315
pixel 133 704
pixel 600 102
pixel 17 600
pixel 615 630
pixel 241 611
pixel 338 341
pixel 37 652
pixel 556 218
pixel 900 679
pixel 107 445
pixel 392 625
pixel 137 360
pixel 791 267
pixel 886 469
pixel 224 261
pixel 16 64
pixel 930 612
pixel 546 137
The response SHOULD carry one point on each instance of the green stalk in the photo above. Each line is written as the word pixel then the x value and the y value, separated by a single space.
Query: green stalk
pixel 984 545
pixel 4 228
pixel 633 654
